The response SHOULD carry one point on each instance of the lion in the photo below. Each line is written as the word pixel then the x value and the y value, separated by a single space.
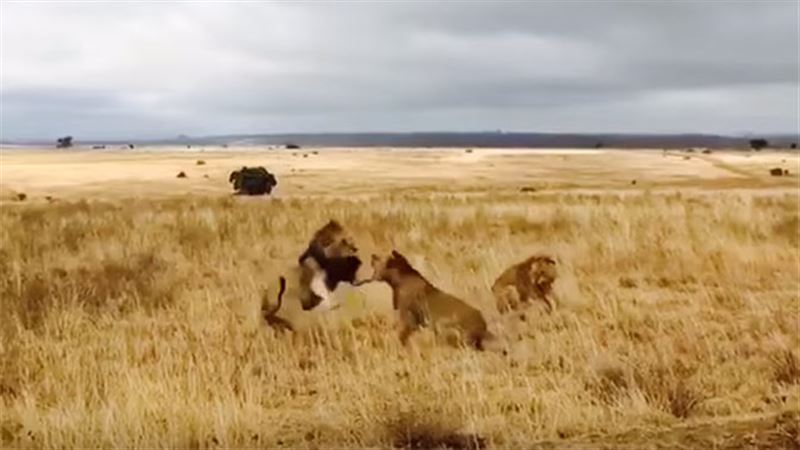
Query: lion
pixel 322 275
pixel 330 258
pixel 531 279
pixel 420 303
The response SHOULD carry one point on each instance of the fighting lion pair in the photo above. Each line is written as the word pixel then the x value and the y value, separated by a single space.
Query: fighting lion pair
pixel 331 258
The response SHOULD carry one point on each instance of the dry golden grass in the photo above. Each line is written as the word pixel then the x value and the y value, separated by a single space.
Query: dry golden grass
pixel 135 322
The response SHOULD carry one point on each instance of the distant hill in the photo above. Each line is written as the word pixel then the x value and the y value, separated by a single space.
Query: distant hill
pixel 448 139
pixel 501 140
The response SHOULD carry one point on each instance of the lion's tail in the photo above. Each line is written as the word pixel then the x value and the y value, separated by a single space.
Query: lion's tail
pixel 266 311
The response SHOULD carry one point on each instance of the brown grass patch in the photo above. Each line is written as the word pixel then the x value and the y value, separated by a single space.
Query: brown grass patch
pixel 786 367
pixel 135 323
pixel 409 431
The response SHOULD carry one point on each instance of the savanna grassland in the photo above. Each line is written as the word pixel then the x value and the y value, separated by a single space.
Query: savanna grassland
pixel 129 301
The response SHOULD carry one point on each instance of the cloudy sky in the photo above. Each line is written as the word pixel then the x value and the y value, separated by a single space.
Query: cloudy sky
pixel 141 70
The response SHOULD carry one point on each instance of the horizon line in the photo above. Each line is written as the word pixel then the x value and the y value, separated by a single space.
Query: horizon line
pixel 186 137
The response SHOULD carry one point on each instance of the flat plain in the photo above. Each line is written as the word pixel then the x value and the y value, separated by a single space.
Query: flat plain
pixel 129 300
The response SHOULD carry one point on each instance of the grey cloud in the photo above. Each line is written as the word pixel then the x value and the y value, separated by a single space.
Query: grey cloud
pixel 242 67
pixel 87 113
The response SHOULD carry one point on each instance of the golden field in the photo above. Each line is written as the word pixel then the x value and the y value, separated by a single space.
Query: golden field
pixel 129 300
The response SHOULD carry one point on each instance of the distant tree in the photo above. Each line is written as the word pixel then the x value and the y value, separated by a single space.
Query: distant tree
pixel 598 145
pixel 292 146
pixel 793 145
pixel 758 144
pixel 252 181
pixel 64 142
pixel 131 146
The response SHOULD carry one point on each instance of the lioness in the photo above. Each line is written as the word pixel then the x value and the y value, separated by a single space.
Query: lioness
pixel 330 258
pixel 420 303
pixel 531 279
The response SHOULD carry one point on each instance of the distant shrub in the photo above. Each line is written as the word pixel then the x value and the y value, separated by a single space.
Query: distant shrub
pixel 758 144
pixel 21 196
pixel 181 175
pixel 252 181
pixel 64 142
pixel 200 162
pixel 292 146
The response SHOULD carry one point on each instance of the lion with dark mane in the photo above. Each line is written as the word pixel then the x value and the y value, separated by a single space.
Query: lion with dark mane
pixel 329 259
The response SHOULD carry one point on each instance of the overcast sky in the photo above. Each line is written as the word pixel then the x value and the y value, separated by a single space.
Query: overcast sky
pixel 103 70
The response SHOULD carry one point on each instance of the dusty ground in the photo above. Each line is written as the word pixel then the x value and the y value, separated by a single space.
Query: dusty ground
pixel 129 300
